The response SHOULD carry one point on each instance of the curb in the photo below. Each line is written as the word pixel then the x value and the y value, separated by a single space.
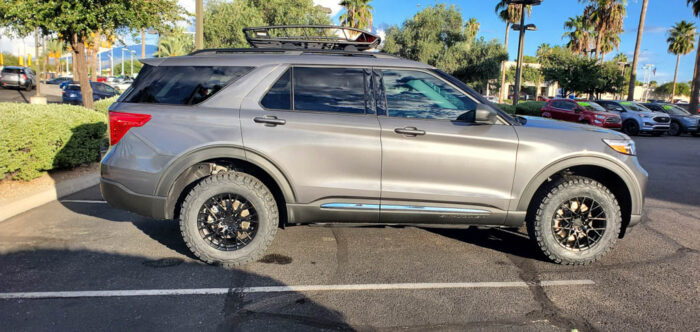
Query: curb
pixel 57 191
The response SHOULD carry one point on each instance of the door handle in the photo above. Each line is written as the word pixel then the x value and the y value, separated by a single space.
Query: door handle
pixel 409 131
pixel 269 121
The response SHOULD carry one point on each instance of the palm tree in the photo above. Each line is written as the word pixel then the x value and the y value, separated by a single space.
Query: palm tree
pixel 621 58
pixel 510 14
pixel 606 17
pixel 681 41
pixel 56 48
pixel 635 59
pixel 579 36
pixel 695 86
pixel 174 44
pixel 358 14
pixel 610 41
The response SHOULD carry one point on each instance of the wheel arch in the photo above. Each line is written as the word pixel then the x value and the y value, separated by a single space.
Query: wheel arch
pixel 614 176
pixel 187 170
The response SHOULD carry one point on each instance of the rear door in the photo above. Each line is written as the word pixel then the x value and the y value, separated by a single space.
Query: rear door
pixel 437 167
pixel 314 123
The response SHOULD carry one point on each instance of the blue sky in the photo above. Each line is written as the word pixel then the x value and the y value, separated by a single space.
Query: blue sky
pixel 550 17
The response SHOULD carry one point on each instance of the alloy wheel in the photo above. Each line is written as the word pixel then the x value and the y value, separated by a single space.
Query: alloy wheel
pixel 227 222
pixel 579 223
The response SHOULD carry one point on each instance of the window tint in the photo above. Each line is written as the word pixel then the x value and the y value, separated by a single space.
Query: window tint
pixel 329 89
pixel 569 106
pixel 181 85
pixel 415 94
pixel 280 95
pixel 12 71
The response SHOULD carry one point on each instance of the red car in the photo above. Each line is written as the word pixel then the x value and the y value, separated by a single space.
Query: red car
pixel 586 112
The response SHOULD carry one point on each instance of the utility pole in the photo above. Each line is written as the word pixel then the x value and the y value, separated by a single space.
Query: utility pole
pixel 122 61
pixel 199 25
pixel 522 28
pixel 38 60
pixel 132 63
pixel 111 61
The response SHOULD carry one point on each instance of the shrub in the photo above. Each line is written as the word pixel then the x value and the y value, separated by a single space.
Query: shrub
pixel 530 108
pixel 102 105
pixel 37 138
pixel 510 109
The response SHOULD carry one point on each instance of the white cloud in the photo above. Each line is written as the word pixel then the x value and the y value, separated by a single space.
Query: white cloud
pixel 16 46
pixel 334 5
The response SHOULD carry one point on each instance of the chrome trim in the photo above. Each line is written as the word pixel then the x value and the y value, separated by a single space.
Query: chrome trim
pixel 391 207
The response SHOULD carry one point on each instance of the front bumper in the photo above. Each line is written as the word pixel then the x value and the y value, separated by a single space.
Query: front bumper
pixel 655 128
pixel 120 197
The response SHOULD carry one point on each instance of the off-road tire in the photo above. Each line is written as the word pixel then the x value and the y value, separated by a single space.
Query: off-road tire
pixel 558 191
pixel 241 184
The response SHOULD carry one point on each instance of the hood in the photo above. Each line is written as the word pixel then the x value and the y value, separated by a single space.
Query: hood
pixel 539 122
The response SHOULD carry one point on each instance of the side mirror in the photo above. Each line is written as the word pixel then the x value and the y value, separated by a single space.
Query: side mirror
pixel 485 114
pixel 578 110
pixel 619 109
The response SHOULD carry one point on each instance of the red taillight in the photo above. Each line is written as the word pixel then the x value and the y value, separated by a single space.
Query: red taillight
pixel 120 123
pixel 25 76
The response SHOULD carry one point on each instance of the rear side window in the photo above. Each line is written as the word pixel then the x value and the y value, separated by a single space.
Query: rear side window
pixel 280 95
pixel 329 89
pixel 181 85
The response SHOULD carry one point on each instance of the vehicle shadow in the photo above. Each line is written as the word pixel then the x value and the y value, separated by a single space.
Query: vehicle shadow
pixel 507 241
pixel 89 270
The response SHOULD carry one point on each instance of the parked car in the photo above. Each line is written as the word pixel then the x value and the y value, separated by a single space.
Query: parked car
pixel 681 120
pixel 636 118
pixel 17 77
pixel 586 112
pixel 59 80
pixel 122 83
pixel 492 99
pixel 72 95
pixel 234 143
pixel 686 106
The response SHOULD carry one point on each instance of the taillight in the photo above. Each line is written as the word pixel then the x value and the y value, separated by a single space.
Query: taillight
pixel 120 123
pixel 25 76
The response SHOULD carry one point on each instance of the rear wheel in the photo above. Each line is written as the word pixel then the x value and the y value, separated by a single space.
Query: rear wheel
pixel 229 219
pixel 577 222
pixel 631 128
pixel 674 129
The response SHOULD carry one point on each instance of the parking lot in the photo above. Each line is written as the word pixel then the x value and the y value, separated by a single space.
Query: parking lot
pixel 51 92
pixel 336 278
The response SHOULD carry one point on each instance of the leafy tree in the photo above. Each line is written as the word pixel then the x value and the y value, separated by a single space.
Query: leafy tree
pixel 580 35
pixel 437 35
pixel 621 57
pixel 667 89
pixel 358 14
pixel 73 22
pixel 577 73
pixel 681 41
pixel 606 17
pixel 286 12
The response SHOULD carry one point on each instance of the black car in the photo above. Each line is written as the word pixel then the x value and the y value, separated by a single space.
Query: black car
pixel 59 80
pixel 681 120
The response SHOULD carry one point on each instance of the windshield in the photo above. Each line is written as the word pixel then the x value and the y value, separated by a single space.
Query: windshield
pixel 591 106
pixel 630 106
pixel 675 110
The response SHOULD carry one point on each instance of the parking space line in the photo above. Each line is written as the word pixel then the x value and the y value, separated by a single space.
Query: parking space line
pixel 278 289
pixel 82 201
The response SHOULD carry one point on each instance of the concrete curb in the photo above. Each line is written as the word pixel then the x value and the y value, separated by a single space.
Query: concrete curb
pixel 59 190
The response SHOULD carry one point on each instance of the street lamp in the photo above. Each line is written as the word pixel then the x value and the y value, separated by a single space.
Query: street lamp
pixel 132 62
pixel 123 60
pixel 521 28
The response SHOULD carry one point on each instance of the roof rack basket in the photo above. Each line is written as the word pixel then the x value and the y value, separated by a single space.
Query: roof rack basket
pixel 324 37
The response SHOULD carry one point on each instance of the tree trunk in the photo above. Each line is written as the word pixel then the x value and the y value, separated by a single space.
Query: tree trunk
pixel 635 60
pixel 143 43
pixel 503 93
pixel 82 68
pixel 675 77
pixel 76 74
pixel 694 93
pixel 95 54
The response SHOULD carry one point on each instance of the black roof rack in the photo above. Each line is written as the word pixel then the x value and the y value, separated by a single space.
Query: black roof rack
pixel 286 51
pixel 324 37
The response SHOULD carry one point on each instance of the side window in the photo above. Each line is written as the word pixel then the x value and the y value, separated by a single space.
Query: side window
pixel 415 94
pixel 556 104
pixel 279 97
pixel 329 89
pixel 568 106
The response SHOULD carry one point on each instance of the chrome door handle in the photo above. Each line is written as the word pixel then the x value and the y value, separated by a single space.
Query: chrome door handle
pixel 269 121
pixel 409 131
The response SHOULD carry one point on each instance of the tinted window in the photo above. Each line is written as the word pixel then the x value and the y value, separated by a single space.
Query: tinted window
pixel 280 95
pixel 329 89
pixel 415 94
pixel 73 87
pixel 181 85
pixel 11 71
pixel 591 106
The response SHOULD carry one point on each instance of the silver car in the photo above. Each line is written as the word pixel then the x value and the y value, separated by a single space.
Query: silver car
pixel 17 77
pixel 236 143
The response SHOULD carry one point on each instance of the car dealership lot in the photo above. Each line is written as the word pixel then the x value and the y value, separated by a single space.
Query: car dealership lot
pixel 356 278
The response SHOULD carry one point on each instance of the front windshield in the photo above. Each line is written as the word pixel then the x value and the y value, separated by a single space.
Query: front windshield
pixel 591 106
pixel 675 110
pixel 630 106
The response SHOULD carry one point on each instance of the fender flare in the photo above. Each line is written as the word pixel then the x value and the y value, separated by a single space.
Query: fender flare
pixel 184 162
pixel 633 186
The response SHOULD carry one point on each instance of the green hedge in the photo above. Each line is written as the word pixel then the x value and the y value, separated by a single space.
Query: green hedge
pixel 38 138
pixel 508 108
pixel 102 105
pixel 530 108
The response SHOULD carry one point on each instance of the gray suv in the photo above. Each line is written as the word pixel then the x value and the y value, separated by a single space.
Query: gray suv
pixel 236 143
pixel 17 77
pixel 636 118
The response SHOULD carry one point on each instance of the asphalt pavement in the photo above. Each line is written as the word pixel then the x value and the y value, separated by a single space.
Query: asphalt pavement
pixel 369 278
pixel 51 91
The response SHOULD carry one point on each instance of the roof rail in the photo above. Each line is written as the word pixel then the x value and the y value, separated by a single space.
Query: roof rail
pixel 325 37
pixel 287 51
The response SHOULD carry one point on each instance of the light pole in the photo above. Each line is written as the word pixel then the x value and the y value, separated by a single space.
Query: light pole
pixel 199 25
pixel 122 61
pixel 132 63
pixel 521 28
pixel 111 61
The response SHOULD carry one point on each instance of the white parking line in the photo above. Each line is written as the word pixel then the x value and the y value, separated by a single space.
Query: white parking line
pixel 277 289
pixel 82 201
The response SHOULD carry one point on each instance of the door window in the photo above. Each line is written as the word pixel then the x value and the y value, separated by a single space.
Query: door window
pixel 329 89
pixel 279 97
pixel 415 94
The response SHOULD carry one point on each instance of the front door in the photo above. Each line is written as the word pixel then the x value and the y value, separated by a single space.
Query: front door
pixel 436 166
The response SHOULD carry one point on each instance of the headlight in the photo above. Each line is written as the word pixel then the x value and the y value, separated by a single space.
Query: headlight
pixel 600 117
pixel 624 146
pixel 646 116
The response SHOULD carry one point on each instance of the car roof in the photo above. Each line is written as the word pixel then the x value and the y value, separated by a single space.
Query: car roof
pixel 13 67
pixel 255 59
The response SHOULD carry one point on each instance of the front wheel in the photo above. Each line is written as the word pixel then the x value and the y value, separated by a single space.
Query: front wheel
pixel 577 222
pixel 229 219
pixel 674 129
pixel 631 128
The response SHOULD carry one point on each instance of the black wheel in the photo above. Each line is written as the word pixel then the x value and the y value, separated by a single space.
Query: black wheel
pixel 631 128
pixel 696 134
pixel 28 87
pixel 229 219
pixel 577 222
pixel 674 129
